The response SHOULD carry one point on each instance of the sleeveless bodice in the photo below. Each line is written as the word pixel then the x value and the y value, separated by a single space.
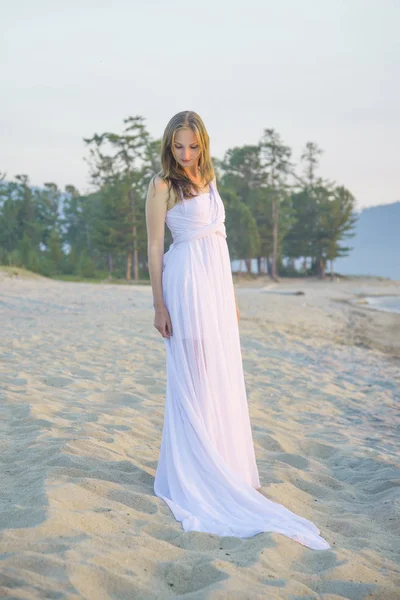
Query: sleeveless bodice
pixel 197 217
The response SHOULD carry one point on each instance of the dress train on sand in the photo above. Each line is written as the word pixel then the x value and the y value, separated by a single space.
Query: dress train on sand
pixel 207 472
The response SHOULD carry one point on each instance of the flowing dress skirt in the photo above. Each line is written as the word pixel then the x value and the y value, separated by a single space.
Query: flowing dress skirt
pixel 207 472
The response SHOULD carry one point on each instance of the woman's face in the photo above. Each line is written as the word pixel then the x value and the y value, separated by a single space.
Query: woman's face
pixel 186 149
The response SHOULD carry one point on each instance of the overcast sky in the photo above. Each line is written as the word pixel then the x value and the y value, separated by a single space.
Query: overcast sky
pixel 321 70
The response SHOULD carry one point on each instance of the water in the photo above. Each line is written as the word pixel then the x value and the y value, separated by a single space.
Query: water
pixel 385 303
pixel 235 266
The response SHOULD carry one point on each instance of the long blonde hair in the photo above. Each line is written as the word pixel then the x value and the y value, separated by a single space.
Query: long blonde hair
pixel 172 172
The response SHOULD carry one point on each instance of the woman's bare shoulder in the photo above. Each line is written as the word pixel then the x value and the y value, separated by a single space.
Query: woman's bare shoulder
pixel 159 185
pixel 162 190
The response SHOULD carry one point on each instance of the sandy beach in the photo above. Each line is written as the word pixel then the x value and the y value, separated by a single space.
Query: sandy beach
pixel 82 385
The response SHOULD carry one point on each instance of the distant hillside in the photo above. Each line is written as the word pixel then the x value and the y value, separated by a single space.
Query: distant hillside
pixel 376 245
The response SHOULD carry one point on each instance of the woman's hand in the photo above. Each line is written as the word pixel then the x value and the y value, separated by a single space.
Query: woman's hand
pixel 162 322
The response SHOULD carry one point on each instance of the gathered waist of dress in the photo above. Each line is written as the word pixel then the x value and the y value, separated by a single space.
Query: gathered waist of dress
pixel 187 236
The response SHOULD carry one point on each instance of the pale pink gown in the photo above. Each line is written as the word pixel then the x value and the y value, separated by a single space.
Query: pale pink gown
pixel 207 471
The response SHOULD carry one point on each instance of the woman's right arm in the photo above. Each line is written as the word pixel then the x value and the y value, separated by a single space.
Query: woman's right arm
pixel 156 207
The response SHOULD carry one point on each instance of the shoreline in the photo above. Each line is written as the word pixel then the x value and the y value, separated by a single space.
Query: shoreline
pixel 333 310
pixel 379 306
pixel 375 328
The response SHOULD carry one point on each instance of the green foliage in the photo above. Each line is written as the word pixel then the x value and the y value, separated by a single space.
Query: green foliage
pixel 85 265
pixel 241 227
pixel 272 210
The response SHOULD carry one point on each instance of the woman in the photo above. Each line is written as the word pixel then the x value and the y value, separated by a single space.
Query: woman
pixel 207 472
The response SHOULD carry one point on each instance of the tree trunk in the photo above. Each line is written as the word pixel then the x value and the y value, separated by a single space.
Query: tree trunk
pixel 269 265
pixel 136 263
pixel 275 218
pixel 314 266
pixel 88 240
pixel 321 268
pixel 248 264
pixel 260 266
pixel 110 264
pixel 129 266
pixel 241 265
